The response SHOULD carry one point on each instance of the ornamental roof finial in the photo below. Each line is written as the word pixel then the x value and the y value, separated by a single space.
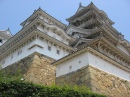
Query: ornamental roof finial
pixel 80 4
pixel 91 2
pixel 39 8
pixel 8 29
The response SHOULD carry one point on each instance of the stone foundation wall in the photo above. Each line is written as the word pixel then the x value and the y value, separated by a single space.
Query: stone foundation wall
pixel 35 68
pixel 80 77
pixel 98 81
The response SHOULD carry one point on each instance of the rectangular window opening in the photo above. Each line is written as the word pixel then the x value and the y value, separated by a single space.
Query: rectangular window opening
pixel 58 52
pixel 3 62
pixel 70 68
pixel 12 57
pixel 49 48
pixel 19 52
pixel 0 40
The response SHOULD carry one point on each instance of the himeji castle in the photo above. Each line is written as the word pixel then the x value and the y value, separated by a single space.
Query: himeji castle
pixel 88 51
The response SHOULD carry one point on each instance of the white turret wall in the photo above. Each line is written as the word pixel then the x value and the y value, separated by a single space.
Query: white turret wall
pixel 36 45
pixel 88 58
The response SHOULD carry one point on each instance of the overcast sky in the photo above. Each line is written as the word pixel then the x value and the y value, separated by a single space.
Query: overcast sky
pixel 13 12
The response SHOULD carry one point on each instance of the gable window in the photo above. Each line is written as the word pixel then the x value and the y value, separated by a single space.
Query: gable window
pixel 49 48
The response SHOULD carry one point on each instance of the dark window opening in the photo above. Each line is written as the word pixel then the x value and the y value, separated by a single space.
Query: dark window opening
pixel 58 52
pixel 0 40
pixel 49 48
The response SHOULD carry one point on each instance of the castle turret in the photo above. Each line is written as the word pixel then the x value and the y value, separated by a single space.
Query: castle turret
pixel 41 33
pixel 4 36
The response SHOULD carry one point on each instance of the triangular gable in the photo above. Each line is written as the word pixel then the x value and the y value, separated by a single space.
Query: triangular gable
pixel 80 8
pixel 6 32
pixel 40 11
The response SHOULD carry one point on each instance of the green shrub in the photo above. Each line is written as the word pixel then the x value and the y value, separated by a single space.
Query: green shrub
pixel 5 77
pixel 12 86
pixel 25 89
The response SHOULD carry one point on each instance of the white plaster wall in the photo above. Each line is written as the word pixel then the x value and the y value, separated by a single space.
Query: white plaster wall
pixel 8 60
pixel 26 51
pixel 123 49
pixel 1 44
pixel 75 63
pixel 90 59
pixel 107 67
pixel 52 53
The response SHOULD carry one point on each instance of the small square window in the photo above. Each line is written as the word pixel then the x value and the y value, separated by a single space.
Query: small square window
pixel 19 52
pixel 49 48
pixel 58 52
pixel 70 68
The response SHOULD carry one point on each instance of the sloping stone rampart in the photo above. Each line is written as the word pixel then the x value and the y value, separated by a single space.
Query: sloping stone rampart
pixel 98 81
pixel 35 68
pixel 80 77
